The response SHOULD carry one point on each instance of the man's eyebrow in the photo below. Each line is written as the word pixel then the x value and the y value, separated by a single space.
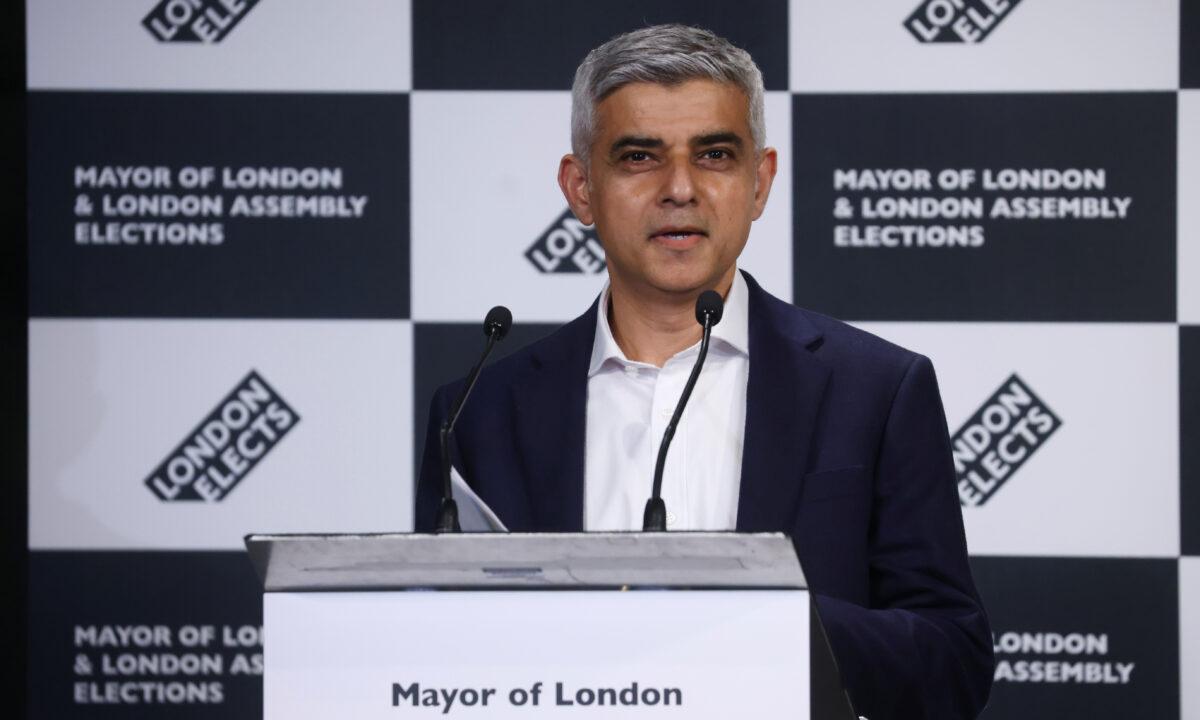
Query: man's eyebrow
pixel 719 138
pixel 636 141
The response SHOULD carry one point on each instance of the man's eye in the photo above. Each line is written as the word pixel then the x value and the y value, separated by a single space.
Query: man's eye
pixel 716 154
pixel 637 156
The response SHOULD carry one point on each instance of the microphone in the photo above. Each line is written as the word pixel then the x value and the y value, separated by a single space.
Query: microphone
pixel 495 327
pixel 709 307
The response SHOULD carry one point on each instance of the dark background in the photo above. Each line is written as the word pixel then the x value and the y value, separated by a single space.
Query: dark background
pixel 13 387
pixel 1189 438
pixel 1189 44
pixel 536 44
pixel 141 588
pixel 1139 611
pixel 1062 270
pixel 266 267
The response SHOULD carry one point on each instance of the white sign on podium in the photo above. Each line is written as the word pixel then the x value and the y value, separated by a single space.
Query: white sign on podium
pixel 695 625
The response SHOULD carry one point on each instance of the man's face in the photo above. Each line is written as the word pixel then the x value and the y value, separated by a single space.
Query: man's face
pixel 673 184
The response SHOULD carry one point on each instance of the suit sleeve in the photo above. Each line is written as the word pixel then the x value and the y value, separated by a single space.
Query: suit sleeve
pixel 429 481
pixel 923 648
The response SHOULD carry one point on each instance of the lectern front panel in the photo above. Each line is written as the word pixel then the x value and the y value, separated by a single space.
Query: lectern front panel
pixel 512 654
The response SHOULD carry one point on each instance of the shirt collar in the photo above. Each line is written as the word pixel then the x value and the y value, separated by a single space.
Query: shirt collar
pixel 733 331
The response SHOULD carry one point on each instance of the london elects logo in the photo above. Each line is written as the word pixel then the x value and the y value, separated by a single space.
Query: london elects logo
pixel 998 439
pixel 227 444
pixel 567 246
pixel 957 21
pixel 205 21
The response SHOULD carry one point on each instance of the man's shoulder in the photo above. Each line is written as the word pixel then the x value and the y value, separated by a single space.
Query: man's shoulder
pixel 839 344
pixel 840 338
pixel 561 349
pixel 563 345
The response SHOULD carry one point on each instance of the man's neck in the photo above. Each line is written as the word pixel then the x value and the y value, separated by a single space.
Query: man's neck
pixel 653 327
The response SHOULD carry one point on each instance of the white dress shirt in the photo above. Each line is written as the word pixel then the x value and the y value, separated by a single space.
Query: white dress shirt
pixel 629 405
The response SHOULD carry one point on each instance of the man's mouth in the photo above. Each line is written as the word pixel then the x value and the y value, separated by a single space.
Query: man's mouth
pixel 678 238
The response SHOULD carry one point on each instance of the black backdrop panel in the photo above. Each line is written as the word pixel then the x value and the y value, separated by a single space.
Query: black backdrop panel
pixel 111 635
pixel 993 267
pixel 330 243
pixel 536 44
pixel 1189 437
pixel 1061 652
pixel 1189 44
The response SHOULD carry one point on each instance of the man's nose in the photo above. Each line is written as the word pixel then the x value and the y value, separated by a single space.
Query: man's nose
pixel 679 184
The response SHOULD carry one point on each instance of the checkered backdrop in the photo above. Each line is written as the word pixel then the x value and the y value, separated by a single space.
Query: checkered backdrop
pixel 261 233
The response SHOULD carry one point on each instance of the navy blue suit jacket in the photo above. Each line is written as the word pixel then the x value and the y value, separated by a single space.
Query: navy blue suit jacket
pixel 845 449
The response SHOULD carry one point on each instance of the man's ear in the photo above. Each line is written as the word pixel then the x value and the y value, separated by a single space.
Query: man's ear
pixel 764 175
pixel 573 181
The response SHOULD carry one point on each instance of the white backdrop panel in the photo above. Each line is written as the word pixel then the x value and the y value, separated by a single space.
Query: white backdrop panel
pixel 1189 636
pixel 297 45
pixel 111 399
pixel 1106 483
pixel 1189 209
pixel 484 189
pixel 864 46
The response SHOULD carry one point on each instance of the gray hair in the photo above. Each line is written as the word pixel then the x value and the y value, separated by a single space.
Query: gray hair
pixel 664 55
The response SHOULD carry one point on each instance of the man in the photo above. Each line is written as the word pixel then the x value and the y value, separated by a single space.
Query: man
pixel 799 423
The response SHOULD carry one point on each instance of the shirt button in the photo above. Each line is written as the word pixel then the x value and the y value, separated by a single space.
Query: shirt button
pixel 666 413
pixel 631 371
pixel 670 518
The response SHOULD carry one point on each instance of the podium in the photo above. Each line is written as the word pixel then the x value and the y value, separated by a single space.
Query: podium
pixel 510 625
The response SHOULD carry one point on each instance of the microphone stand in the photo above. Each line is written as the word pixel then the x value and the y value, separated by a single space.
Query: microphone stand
pixel 708 312
pixel 496 327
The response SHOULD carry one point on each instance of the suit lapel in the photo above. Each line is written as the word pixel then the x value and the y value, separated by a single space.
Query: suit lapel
pixel 550 401
pixel 783 397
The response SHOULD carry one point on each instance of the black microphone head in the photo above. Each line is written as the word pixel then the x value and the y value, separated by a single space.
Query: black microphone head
pixel 709 304
pixel 497 322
